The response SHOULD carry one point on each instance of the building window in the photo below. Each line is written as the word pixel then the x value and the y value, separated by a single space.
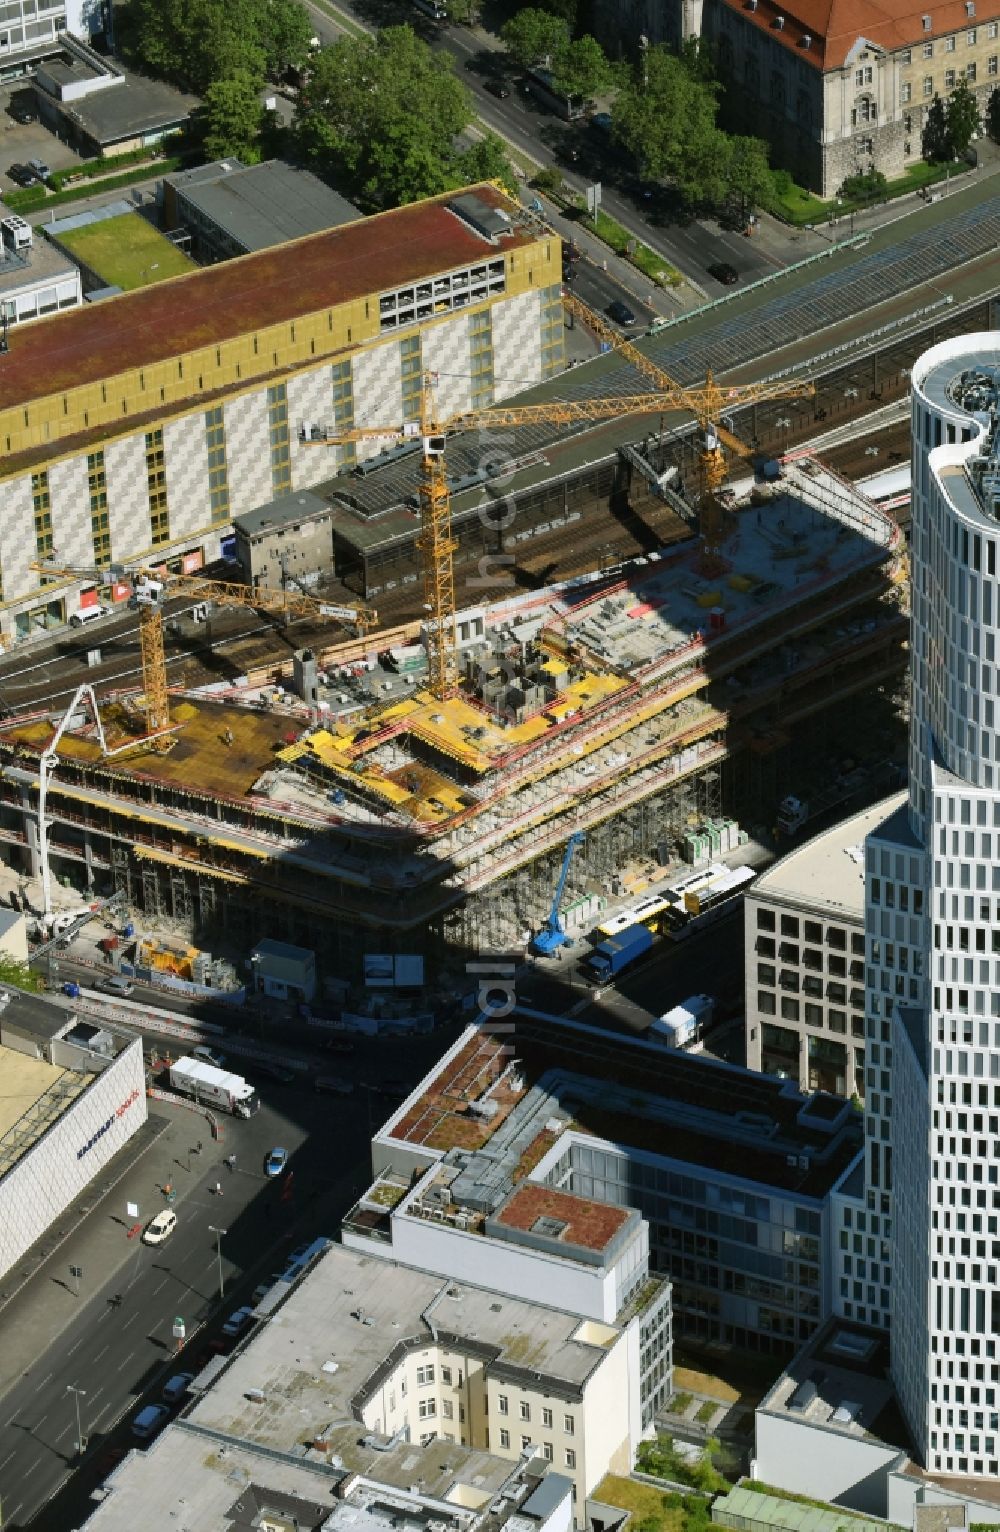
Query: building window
pixel 342 384
pixel 446 1375
pixel 553 329
pixel 928 50
pixel 97 487
pixel 568 1425
pixel 906 93
pixel 970 72
pixel 928 85
pixel 427 1409
pixel 504 1437
pixel 525 1410
pixel 525 1443
pixel 425 1375
pixel 281 457
pixel 765 920
pixel 949 78
pixel 992 29
pixel 765 1003
pixel 547 1419
pixel 991 64
pixel 570 1457
pixel 863 76
pixel 949 45
pixel 41 503
pixel 447 1409
pixel 218 468
pixel 904 55
pixel 502 1405
pixel 411 374
pixel 156 481
pixel 789 1008
pixel 970 37
pixel 547 1451
pixel 789 925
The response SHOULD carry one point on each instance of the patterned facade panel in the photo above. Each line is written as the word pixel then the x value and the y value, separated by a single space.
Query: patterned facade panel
pixel 309 404
pixel 248 453
pixel 186 457
pixel 517 354
pixel 17 546
pixel 378 392
pixel 128 496
pixel 71 531
pixel 446 354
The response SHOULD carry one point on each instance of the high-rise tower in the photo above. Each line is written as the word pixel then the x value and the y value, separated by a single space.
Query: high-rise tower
pixel 932 1247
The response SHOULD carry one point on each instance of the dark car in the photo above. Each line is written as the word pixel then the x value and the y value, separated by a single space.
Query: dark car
pixel 23 114
pixel 621 313
pixel 724 273
pixel 498 88
pixel 22 176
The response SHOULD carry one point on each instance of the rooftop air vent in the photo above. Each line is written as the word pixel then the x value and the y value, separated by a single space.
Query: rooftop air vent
pixel 779 23
pixel 970 7
pixel 807 40
pixel 925 22
pixel 751 5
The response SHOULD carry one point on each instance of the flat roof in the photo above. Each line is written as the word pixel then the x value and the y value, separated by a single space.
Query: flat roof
pixel 828 871
pixel 755 1507
pixel 326 1349
pixel 653 1101
pixel 238 297
pixel 264 205
pixel 26 1081
pixel 300 505
pixel 136 105
pixel 43 262
pixel 839 1382
pixel 588 1224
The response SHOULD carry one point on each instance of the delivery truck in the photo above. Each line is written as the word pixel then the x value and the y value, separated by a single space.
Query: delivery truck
pixel 684 1024
pixel 611 956
pixel 213 1087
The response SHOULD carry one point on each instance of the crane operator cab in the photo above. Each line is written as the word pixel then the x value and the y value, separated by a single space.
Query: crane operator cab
pixel 146 592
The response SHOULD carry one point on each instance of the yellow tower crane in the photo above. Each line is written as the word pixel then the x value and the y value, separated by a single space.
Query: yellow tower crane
pixel 714 400
pixel 435 542
pixel 150 585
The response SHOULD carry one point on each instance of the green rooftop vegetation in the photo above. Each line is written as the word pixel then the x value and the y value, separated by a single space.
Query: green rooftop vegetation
pixel 126 252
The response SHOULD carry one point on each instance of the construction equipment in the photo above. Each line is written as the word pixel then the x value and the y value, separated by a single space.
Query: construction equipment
pixel 435 543
pixel 552 936
pixel 150 585
pixel 713 400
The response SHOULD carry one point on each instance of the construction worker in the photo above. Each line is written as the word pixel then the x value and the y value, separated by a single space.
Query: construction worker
pixel 218 1188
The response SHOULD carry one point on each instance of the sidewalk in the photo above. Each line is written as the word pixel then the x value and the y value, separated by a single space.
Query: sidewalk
pixel 38 1301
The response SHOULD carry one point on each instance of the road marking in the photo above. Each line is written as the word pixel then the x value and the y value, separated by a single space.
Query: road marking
pixel 129 1321
pixel 74 1346
pixel 41 1421
pixel 127 1363
pixel 43 1381
pixel 156 1289
pixel 96 1394
pixel 7 1459
pixel 101 1353
pixel 62 1433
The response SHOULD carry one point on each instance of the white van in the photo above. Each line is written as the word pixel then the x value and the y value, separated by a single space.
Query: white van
pixel 88 614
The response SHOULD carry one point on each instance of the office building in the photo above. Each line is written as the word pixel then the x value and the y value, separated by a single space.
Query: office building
pixel 228 208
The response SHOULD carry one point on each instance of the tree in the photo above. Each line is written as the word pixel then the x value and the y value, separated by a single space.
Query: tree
pixel 962 119
pixel 232 114
pixel 286 33
pixel 485 160
pixel 582 69
pixel 934 142
pixel 748 176
pixel 380 113
pixel 993 114
pixel 532 36
pixel 666 118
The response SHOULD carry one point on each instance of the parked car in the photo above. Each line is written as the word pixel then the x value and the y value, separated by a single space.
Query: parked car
pixel 498 88
pixel 275 1162
pixel 117 984
pixel 333 1085
pixel 723 272
pixel 149 1421
pixel 621 313
pixel 160 1228
pixel 237 1321
pixel 209 1056
pixel 88 614
pixel 22 176
pixel 39 169
pixel 176 1387
pixel 276 1072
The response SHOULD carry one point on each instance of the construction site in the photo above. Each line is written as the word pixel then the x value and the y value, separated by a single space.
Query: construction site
pixel 618 707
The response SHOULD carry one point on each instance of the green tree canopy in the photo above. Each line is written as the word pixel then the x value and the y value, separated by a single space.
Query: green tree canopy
pixel 232 115
pixel 195 42
pixel 962 119
pixel 668 120
pixel 286 33
pixel 485 160
pixel 748 176
pixel 532 36
pixel 581 68
pixel 934 142
pixel 380 114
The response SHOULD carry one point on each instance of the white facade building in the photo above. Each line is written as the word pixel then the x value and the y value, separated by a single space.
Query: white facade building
pixel 933 932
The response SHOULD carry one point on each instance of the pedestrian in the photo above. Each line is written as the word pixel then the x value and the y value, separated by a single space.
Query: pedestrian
pixel 218 1188
pixel 231 1161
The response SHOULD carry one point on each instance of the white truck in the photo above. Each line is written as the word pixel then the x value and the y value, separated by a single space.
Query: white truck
pixel 683 1025
pixel 213 1087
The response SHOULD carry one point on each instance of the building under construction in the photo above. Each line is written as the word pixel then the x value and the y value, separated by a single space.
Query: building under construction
pixel 604 706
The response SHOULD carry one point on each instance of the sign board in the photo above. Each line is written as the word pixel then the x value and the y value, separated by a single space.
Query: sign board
pixel 131 1210
pixel 409 971
pixel 190 562
pixel 379 970
pixel 593 198
pixel 76 1271
pixel 178 1329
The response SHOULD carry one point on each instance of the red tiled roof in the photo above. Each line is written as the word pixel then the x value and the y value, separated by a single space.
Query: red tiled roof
pixel 590 1225
pixel 834 26
pixel 204 308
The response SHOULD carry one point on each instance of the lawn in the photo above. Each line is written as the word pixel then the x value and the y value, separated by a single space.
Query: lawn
pixel 126 252
pixel 798 206
pixel 705 1383
pixel 644 1502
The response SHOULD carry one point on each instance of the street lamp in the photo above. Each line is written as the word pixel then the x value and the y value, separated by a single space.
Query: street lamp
pixel 218 1252
pixel 71 1388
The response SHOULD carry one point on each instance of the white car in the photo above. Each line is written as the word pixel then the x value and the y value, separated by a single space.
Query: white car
pixel 88 614
pixel 160 1228
pixel 208 1056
